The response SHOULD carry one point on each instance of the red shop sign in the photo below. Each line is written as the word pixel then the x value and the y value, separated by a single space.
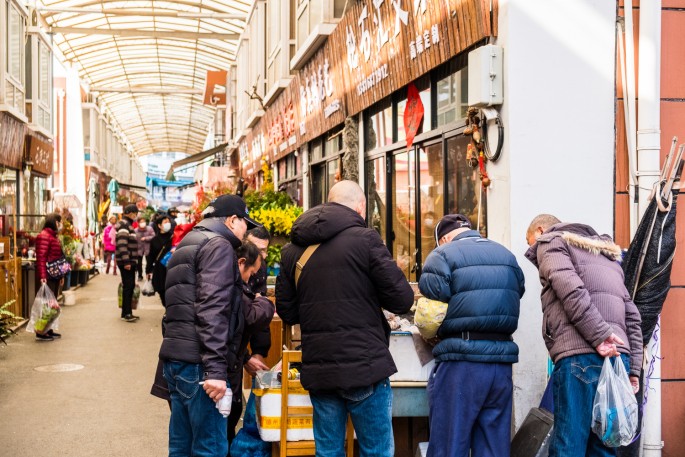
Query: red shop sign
pixel 413 113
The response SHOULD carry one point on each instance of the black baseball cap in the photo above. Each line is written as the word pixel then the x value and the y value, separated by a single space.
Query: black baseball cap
pixel 230 205
pixel 173 209
pixel 449 223
pixel 130 208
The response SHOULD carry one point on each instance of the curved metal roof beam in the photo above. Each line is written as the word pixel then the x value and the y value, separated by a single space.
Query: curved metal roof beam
pixel 220 8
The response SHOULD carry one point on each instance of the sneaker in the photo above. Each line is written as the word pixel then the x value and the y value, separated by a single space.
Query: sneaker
pixel 54 334
pixel 130 318
pixel 40 337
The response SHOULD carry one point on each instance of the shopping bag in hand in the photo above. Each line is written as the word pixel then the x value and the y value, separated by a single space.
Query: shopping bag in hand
pixel 614 412
pixel 148 290
pixel 44 312
pixel 136 296
pixel 428 316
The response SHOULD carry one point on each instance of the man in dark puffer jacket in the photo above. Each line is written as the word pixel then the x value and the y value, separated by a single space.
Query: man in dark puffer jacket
pixel 470 389
pixel 203 327
pixel 337 302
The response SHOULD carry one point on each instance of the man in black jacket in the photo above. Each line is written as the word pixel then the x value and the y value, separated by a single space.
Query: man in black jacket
pixel 203 327
pixel 126 255
pixel 260 342
pixel 338 303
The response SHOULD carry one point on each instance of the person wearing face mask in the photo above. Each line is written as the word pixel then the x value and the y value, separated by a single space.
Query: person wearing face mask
pixel 108 239
pixel 48 249
pixel 159 247
pixel 144 234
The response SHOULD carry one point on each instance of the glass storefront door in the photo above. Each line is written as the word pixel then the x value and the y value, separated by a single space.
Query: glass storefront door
pixel 404 224
pixel 431 165
pixel 427 181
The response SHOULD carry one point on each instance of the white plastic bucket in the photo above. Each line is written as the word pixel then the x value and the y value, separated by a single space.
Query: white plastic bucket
pixel 69 298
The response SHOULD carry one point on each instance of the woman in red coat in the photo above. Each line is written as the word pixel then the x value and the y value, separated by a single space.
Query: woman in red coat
pixel 48 249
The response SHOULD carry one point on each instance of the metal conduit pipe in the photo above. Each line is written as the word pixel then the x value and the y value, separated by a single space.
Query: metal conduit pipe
pixel 648 170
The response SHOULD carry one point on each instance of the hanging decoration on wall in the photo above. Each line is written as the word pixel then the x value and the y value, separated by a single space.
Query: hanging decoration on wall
pixel 475 151
pixel 413 113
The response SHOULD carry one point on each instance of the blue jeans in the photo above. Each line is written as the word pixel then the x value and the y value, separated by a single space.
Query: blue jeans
pixel 575 380
pixel 196 427
pixel 470 409
pixel 371 411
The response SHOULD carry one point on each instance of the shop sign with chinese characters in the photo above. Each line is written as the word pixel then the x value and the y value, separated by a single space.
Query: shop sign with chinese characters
pixel 40 155
pixel 319 93
pixel 390 43
pixel 281 124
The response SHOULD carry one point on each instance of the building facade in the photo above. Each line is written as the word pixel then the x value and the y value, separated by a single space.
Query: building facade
pixel 339 111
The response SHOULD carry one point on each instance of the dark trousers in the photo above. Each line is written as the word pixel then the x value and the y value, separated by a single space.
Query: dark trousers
pixel 139 267
pixel 234 417
pixel 109 258
pixel 53 285
pixel 470 409
pixel 128 279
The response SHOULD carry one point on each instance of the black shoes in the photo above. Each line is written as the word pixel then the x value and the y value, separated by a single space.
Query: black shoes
pixel 54 334
pixel 130 318
pixel 45 337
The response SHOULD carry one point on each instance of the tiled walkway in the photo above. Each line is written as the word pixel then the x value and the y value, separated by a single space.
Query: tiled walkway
pixel 103 409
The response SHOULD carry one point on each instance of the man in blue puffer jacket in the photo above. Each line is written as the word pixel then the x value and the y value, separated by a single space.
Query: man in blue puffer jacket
pixel 470 389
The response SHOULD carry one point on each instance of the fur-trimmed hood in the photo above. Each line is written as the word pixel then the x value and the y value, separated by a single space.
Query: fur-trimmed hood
pixel 580 236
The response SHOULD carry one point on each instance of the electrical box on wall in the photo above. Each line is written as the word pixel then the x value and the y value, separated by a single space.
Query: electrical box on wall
pixel 485 76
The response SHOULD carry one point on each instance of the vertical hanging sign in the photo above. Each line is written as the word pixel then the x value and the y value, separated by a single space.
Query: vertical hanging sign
pixel 413 113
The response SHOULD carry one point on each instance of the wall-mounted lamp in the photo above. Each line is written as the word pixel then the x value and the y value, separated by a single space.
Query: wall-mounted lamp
pixel 28 165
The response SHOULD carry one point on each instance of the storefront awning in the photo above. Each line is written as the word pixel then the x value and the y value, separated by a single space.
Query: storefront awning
pixel 195 158
pixel 132 187
pixel 66 201
pixel 156 182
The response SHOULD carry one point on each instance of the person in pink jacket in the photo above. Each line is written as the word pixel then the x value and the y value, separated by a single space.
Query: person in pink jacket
pixel 108 238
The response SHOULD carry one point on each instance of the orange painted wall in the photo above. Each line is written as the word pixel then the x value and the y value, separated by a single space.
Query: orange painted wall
pixel 672 123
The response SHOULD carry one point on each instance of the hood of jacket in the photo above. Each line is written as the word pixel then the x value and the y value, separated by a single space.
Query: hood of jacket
pixel 216 226
pixel 580 236
pixel 324 222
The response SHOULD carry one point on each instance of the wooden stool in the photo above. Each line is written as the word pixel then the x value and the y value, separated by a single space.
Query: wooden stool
pixel 299 448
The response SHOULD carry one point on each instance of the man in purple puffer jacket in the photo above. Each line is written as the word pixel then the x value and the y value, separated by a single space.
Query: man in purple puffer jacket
pixel 587 315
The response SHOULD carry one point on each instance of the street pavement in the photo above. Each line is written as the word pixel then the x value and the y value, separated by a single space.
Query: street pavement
pixel 105 408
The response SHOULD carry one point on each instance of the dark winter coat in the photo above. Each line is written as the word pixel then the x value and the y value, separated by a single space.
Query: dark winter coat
pixel 257 312
pixel 584 299
pixel 260 341
pixel 126 243
pixel 159 246
pixel 204 321
pixel 48 249
pixel 482 284
pixel 338 300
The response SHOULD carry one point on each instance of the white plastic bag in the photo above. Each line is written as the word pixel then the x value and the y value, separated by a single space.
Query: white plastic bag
pixel 614 412
pixel 44 312
pixel 148 290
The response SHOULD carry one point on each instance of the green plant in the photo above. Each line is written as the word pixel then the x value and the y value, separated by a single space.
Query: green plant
pixel 273 255
pixel 7 320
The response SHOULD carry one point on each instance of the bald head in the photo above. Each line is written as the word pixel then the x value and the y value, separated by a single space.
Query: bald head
pixel 539 225
pixel 350 194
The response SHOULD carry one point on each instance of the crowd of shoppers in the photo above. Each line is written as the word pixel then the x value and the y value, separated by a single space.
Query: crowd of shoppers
pixel 336 278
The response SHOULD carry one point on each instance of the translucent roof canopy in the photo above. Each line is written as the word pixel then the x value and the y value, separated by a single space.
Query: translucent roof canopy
pixel 148 60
